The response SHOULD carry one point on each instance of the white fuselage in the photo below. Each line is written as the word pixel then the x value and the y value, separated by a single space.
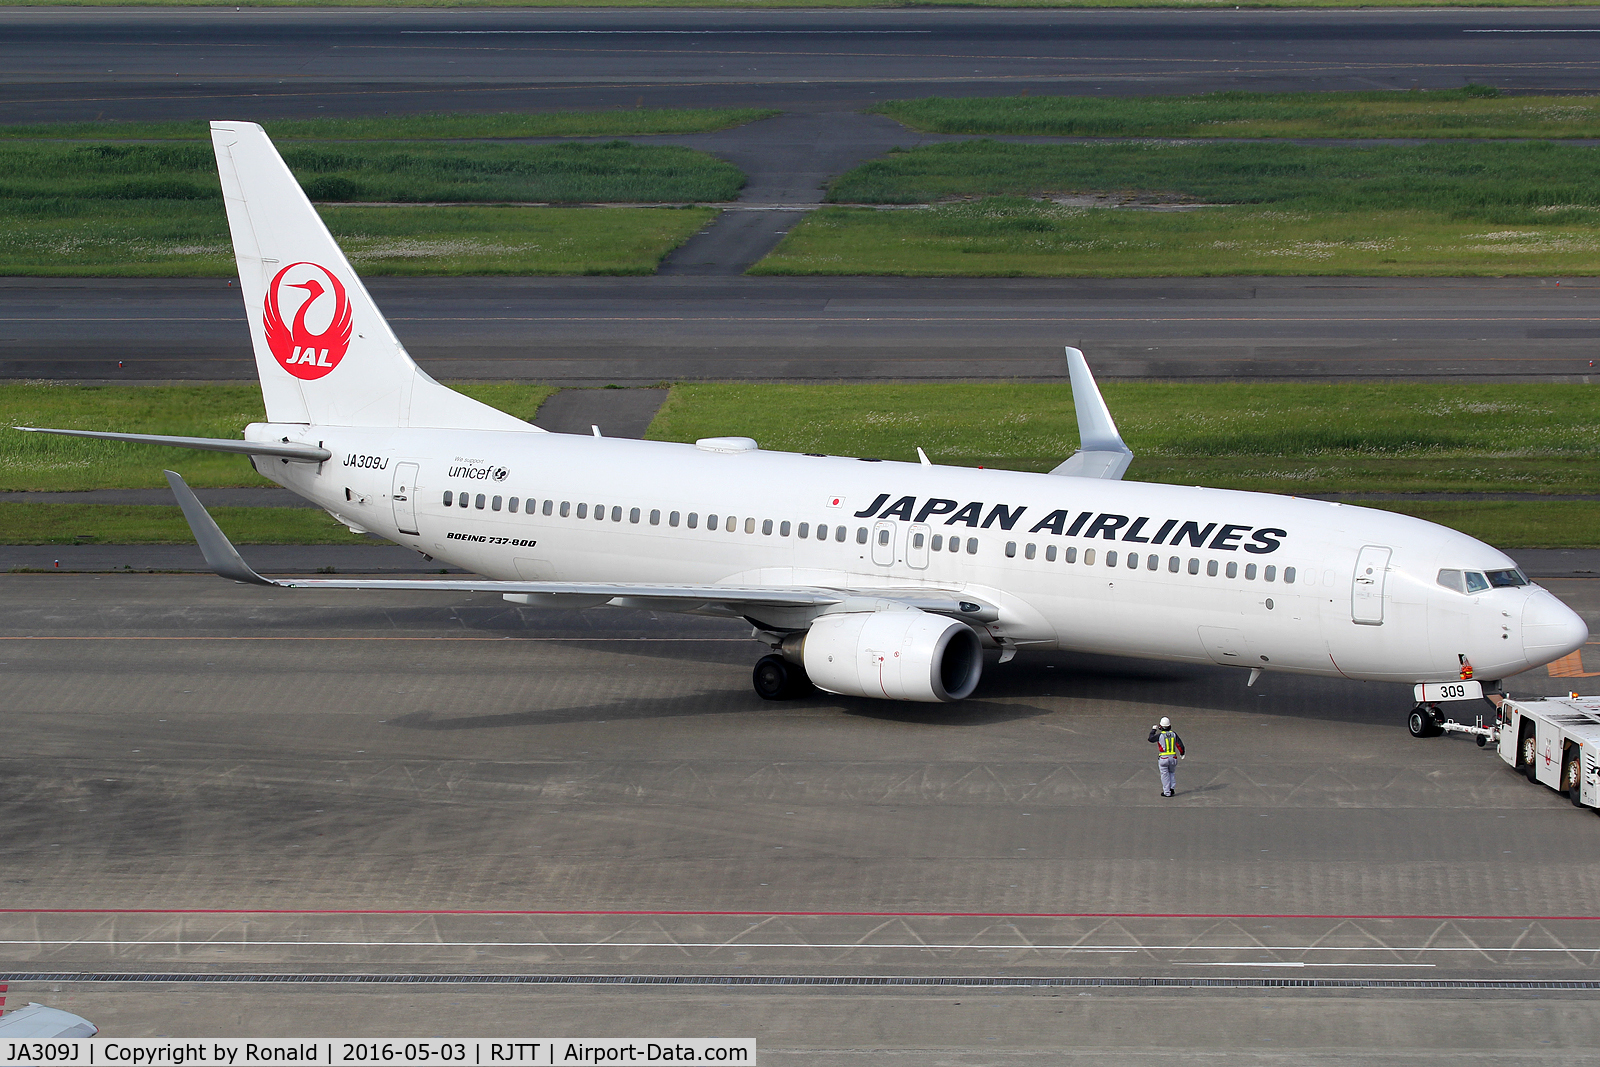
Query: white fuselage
pixel 1124 568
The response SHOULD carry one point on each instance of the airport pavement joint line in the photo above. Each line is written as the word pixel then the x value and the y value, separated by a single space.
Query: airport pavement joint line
pixel 800 980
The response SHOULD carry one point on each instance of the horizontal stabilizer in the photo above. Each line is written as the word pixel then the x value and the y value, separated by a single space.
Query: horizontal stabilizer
pixel 1101 451
pixel 283 450
pixel 220 554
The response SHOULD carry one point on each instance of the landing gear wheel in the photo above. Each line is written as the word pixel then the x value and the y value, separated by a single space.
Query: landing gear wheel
pixel 775 678
pixel 1421 722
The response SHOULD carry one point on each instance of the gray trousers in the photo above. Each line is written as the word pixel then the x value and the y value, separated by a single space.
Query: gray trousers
pixel 1169 773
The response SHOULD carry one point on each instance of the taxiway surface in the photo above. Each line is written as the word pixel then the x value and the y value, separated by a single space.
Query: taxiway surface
pixel 201 780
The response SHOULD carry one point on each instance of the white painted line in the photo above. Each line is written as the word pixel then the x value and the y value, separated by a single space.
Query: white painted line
pixel 941 946
pixel 1183 964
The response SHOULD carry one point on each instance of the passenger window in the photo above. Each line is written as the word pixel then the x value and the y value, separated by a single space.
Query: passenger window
pixel 672 520
pixel 1288 575
pixel 883 537
pixel 804 531
pixel 938 542
pixel 1194 565
pixel 583 511
pixel 1133 561
pixel 711 521
pixel 1211 568
pixel 464 500
pixel 1250 572
pixel 955 544
pixel 1270 574
pixel 1011 550
pixel 511 505
pixel 449 498
pixel 1029 551
pixel 616 515
pixel 655 516
pixel 633 515
pixel 479 501
pixel 733 524
pixel 1451 579
pixel 494 505
pixel 861 535
pixel 1153 562
pixel 1476 583
pixel 972 546
pixel 566 508
pixel 694 520
pixel 1111 558
pixel 1088 557
pixel 783 528
pixel 1050 553
pixel 1233 570
pixel 750 525
pixel 1173 563
pixel 599 513
pixel 547 505
pixel 839 534
pixel 1072 555
pixel 766 527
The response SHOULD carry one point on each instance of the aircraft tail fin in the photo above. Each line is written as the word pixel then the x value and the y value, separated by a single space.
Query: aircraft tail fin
pixel 323 350
pixel 1101 451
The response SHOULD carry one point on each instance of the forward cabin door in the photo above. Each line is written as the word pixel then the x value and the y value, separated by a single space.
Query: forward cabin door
pixel 405 497
pixel 883 546
pixel 1366 592
pixel 917 545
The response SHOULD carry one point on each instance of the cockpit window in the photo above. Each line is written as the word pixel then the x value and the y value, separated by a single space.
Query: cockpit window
pixel 1503 579
pixel 1452 580
pixel 1476 583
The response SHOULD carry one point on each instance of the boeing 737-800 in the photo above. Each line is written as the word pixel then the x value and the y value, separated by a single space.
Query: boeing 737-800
pixel 864 578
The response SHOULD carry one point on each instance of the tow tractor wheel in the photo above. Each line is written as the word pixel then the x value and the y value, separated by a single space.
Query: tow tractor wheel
pixel 1572 778
pixel 1528 757
pixel 775 678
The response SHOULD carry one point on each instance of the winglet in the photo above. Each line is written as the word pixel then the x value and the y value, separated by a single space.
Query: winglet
pixel 220 554
pixel 1101 451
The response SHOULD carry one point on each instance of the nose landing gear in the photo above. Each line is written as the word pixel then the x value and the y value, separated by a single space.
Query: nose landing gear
pixel 1425 721
pixel 775 678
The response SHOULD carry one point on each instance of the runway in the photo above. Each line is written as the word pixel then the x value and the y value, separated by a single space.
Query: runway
pixel 202 781
pixel 639 331
pixel 63 64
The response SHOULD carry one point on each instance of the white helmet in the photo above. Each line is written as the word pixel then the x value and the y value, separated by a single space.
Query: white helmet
pixel 1165 722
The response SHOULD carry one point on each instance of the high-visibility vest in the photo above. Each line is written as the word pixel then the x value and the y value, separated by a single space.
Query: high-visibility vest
pixel 1168 740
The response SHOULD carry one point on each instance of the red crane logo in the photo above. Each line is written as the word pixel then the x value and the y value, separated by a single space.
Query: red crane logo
pixel 299 350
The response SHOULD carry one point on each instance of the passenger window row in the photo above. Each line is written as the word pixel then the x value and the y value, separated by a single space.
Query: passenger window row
pixel 1151 561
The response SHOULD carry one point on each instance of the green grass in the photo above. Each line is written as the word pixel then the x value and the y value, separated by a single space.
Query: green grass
pixel 45 462
pixel 1012 237
pixel 184 239
pixel 1505 183
pixel 1512 524
pixel 154 524
pixel 46 173
pixel 619 122
pixel 1286 438
pixel 1471 111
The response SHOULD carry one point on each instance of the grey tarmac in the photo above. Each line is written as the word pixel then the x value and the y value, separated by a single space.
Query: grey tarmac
pixel 641 331
pixel 200 778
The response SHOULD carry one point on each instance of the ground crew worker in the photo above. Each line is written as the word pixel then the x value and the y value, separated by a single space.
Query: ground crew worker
pixel 1168 754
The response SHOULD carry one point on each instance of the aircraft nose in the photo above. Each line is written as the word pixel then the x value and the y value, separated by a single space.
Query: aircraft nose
pixel 1550 629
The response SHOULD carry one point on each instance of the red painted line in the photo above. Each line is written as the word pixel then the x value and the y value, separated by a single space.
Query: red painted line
pixel 788 914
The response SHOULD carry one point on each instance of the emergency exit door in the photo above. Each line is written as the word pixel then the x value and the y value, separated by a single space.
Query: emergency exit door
pixel 1366 592
pixel 405 497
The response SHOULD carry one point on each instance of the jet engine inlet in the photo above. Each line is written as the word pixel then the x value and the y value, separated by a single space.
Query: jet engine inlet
pixel 899 655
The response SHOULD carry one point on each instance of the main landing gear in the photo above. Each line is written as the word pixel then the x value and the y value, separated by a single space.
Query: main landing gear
pixel 775 678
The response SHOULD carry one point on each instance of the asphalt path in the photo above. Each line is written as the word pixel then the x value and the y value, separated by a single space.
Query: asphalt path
pixel 639 331
pixel 261 63
pixel 202 780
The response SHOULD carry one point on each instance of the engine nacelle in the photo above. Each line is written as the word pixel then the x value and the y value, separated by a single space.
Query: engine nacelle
pixel 899 655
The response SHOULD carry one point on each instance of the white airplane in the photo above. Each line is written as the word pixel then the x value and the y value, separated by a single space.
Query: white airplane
pixel 864 578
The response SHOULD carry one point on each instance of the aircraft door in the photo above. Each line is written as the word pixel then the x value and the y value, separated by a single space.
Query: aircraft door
pixel 917 545
pixel 1366 591
pixel 405 497
pixel 883 546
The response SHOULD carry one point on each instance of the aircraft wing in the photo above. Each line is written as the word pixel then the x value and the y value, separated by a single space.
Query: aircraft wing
pixel 1101 451
pixel 225 560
